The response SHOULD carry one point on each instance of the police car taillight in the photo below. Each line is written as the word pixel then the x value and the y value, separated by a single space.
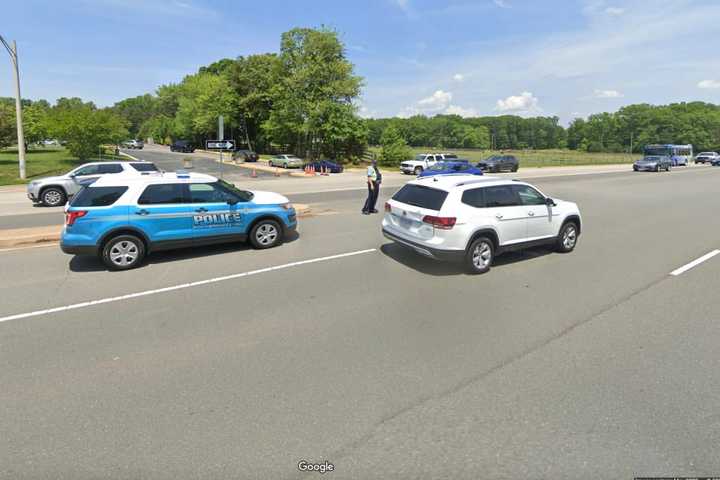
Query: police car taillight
pixel 70 217
pixel 443 223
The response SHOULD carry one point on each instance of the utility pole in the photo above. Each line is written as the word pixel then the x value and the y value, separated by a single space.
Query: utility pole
pixel 221 136
pixel 18 105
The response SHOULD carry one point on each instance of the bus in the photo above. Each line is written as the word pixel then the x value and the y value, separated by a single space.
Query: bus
pixel 679 154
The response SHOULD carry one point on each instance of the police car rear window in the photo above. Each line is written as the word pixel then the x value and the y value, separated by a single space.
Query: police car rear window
pixel 144 167
pixel 420 196
pixel 97 196
pixel 162 193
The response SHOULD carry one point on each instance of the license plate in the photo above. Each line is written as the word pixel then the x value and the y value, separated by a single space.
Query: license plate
pixel 405 222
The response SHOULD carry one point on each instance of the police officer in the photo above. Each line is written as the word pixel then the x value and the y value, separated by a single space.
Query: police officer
pixel 374 178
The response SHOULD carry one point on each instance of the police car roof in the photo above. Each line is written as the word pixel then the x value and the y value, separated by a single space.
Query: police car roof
pixel 154 178
pixel 449 182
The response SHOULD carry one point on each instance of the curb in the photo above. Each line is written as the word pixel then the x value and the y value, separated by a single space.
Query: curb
pixel 26 237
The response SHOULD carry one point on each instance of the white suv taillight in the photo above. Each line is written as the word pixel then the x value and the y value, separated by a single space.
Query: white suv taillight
pixel 443 223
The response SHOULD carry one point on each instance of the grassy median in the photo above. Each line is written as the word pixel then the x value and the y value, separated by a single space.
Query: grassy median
pixel 537 158
pixel 41 162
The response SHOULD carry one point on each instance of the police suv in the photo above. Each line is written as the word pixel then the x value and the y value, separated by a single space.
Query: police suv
pixel 472 219
pixel 122 219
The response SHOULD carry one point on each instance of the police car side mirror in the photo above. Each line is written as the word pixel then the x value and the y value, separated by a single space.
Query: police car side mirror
pixel 232 201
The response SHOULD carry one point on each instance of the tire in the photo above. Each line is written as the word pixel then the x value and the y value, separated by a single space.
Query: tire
pixel 480 255
pixel 567 238
pixel 53 197
pixel 123 252
pixel 515 168
pixel 266 234
pixel 418 170
pixel 667 169
pixel 657 169
pixel 285 165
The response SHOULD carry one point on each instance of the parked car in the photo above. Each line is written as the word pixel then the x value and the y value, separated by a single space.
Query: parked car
pixel 184 146
pixel 707 157
pixel 499 163
pixel 716 162
pixel 122 219
pixel 55 191
pixel 473 219
pixel 653 163
pixel 327 165
pixel 454 167
pixel 133 144
pixel 245 155
pixel 286 161
pixel 423 161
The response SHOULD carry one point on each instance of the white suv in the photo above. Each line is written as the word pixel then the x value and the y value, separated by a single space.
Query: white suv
pixel 424 161
pixel 471 219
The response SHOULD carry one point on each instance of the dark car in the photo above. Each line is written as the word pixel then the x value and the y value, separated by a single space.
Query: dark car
pixel 184 146
pixel 325 165
pixel 245 155
pixel 499 163
pixel 653 163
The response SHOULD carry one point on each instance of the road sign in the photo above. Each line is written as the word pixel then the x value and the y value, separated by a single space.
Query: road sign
pixel 220 145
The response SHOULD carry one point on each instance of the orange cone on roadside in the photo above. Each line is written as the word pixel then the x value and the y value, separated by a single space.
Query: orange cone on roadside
pixel 253 174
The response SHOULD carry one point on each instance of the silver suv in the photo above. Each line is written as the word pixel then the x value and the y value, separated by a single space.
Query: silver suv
pixel 134 144
pixel 55 191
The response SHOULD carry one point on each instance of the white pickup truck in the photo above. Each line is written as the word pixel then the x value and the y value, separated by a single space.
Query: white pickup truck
pixel 423 161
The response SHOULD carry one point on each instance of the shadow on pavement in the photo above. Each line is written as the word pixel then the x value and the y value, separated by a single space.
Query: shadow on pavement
pixel 94 264
pixel 428 266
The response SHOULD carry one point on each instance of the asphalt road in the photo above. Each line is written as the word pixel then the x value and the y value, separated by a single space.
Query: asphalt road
pixel 596 364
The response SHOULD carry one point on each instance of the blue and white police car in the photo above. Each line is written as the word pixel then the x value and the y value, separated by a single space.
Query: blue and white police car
pixel 123 219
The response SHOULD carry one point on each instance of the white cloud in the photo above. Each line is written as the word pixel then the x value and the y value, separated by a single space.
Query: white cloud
pixel 709 84
pixel 501 3
pixel 607 94
pixel 435 102
pixel 526 102
pixel 458 77
pixel 614 11
pixel 463 112
pixel 403 4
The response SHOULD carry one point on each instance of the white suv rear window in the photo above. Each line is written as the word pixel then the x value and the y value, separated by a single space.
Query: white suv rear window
pixel 421 196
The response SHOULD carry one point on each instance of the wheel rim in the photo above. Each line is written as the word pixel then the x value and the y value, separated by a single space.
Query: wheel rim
pixel 124 253
pixel 569 237
pixel 482 255
pixel 266 234
pixel 53 197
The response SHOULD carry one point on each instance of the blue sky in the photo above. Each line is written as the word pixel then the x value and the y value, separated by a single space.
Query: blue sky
pixel 471 57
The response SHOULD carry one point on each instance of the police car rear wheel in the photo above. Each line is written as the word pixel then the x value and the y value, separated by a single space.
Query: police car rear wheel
pixel 123 252
pixel 266 234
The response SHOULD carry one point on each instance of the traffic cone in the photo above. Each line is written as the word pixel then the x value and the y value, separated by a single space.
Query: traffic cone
pixel 277 172
pixel 253 174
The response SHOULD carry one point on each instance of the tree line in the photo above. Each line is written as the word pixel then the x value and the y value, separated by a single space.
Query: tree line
pixel 300 101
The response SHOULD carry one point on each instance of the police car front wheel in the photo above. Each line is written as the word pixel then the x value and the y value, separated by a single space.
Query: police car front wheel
pixel 266 234
pixel 123 252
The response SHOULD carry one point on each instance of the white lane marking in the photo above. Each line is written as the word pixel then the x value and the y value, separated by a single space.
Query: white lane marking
pixel 181 286
pixel 694 263
pixel 130 156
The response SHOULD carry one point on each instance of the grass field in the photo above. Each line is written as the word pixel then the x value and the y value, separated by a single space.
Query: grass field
pixel 537 158
pixel 40 162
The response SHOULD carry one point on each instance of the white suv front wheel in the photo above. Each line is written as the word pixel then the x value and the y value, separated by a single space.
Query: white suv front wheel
pixel 567 239
pixel 480 255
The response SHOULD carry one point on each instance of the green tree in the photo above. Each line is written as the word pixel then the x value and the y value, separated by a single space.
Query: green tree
pixel 394 148
pixel 314 75
pixel 84 127
pixel 136 111
pixel 35 122
pixel 7 125
pixel 202 98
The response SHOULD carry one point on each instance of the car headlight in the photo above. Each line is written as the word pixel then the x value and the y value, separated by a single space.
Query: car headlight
pixel 287 206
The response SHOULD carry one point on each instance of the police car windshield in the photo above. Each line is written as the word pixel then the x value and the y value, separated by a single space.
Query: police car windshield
pixel 243 194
